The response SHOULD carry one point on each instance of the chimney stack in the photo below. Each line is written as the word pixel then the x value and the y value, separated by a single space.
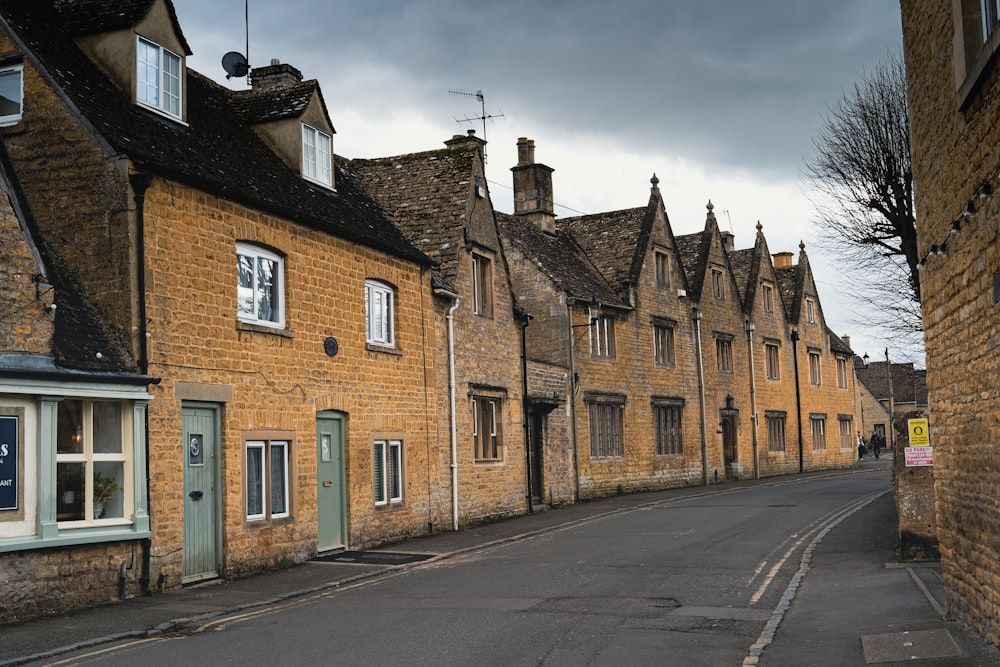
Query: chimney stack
pixel 782 260
pixel 729 241
pixel 533 188
pixel 274 76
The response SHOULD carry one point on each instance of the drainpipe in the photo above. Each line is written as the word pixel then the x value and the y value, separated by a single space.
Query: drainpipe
pixel 525 321
pixel 696 316
pixel 451 401
pixel 749 326
pixel 140 183
pixel 572 399
pixel 798 394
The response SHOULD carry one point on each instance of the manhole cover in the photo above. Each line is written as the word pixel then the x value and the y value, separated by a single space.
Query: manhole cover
pixel 373 558
pixel 917 645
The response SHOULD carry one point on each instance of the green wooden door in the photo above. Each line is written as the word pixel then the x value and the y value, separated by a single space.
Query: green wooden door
pixel 202 540
pixel 330 477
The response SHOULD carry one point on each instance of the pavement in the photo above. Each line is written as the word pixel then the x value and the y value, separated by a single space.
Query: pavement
pixel 855 604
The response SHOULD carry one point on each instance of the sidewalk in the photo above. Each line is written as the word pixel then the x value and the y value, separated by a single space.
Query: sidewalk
pixel 175 610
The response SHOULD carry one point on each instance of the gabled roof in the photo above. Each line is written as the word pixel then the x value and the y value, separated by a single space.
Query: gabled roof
pixel 790 290
pixel 276 103
pixel 837 344
pixel 693 250
pixel 80 332
pixel 426 195
pixel 83 17
pixel 610 240
pixel 559 257
pixel 215 151
pixel 909 384
pixel 745 266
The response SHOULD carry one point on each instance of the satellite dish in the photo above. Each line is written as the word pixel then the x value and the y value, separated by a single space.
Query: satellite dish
pixel 235 64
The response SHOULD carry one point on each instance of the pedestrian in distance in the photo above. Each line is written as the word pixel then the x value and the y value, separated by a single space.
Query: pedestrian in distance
pixel 876 443
pixel 861 447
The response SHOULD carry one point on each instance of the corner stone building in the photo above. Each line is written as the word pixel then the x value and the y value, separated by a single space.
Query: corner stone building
pixel 953 80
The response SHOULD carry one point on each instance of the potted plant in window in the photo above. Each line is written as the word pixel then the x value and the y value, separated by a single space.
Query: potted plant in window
pixel 104 492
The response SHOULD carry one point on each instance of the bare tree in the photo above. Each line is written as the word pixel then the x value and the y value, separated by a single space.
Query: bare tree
pixel 861 173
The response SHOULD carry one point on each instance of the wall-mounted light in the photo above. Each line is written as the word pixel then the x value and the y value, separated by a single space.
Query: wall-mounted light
pixel 920 265
pixel 970 210
pixel 866 360
pixel 986 191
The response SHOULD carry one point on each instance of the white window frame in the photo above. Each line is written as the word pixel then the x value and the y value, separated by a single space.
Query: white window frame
pixel 91 459
pixel 387 468
pixel 258 255
pixel 317 155
pixel 166 93
pixel 380 306
pixel 10 72
pixel 602 337
pixel 265 491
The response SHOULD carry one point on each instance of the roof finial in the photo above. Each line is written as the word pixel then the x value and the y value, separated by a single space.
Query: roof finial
pixel 655 181
pixel 759 226
pixel 710 206
pixel 802 246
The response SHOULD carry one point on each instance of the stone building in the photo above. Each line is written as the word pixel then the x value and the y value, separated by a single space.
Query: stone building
pixel 252 300
pixel 950 51
pixel 440 200
pixel 667 378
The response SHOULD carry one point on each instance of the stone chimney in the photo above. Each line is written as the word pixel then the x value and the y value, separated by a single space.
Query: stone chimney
pixel 274 76
pixel 782 260
pixel 467 140
pixel 533 188
pixel 729 241
pixel 847 340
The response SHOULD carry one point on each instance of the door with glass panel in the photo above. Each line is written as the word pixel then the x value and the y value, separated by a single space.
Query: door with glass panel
pixel 202 539
pixel 330 476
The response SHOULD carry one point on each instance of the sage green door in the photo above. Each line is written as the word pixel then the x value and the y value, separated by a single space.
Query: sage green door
pixel 331 500
pixel 202 539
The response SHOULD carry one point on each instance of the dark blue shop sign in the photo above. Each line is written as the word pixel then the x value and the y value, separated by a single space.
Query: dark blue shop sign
pixel 8 462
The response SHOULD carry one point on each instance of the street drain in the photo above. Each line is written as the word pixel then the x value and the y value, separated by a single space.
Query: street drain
pixel 373 558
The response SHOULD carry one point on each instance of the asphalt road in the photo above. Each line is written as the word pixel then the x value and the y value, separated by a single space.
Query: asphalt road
pixel 697 580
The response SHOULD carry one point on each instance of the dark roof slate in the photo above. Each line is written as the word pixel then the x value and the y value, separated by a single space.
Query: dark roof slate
pixel 274 103
pixel 83 17
pixel 426 195
pixel 214 151
pixel 745 265
pixel 80 332
pixel 693 250
pixel 610 240
pixel 559 257
pixel 909 384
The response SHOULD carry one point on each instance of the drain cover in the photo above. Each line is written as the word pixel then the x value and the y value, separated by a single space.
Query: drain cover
pixel 373 558
pixel 916 645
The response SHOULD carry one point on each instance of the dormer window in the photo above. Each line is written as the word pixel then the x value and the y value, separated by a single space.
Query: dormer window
pixel 11 94
pixel 316 156
pixel 158 78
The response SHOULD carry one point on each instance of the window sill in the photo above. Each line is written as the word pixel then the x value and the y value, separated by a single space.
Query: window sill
pixel 607 459
pixel 394 351
pixel 667 366
pixel 260 328
pixel 489 463
pixel 390 507
pixel 69 537
pixel 977 72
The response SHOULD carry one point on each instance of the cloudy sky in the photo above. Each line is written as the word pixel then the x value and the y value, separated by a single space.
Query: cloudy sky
pixel 719 98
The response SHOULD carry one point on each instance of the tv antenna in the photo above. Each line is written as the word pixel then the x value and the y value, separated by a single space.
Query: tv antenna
pixel 482 117
pixel 234 62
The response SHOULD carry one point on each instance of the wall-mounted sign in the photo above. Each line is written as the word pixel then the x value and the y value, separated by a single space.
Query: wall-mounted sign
pixel 9 425
pixel 920 433
pixel 918 456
